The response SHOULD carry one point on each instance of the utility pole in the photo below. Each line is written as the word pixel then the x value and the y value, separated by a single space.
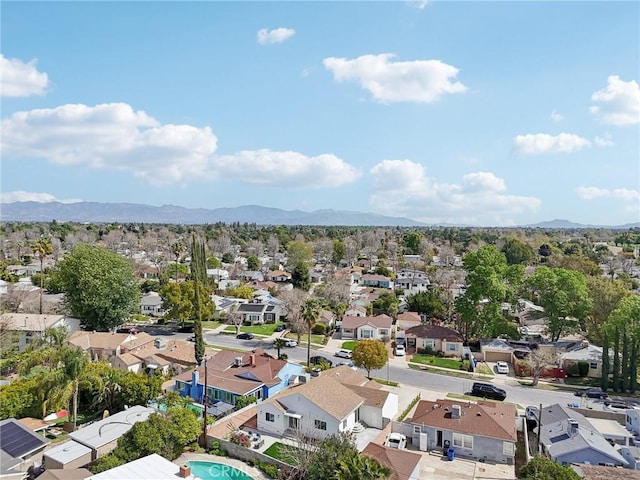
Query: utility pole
pixel 539 430
pixel 204 402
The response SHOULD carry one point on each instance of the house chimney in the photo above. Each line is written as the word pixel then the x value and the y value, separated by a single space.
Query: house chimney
pixel 573 427
pixel 456 411
pixel 185 471
pixel 252 360
pixel 585 343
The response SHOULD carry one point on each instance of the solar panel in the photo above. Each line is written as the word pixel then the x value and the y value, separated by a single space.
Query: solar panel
pixel 17 441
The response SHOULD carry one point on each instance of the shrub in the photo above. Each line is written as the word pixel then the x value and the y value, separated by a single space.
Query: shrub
pixel 215 449
pixel 583 368
pixel 319 329
pixel 269 468
pixel 241 438
pixel 573 370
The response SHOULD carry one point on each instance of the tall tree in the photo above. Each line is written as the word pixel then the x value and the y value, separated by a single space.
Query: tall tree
pixel 370 355
pixel 517 252
pixel 178 249
pixel 311 311
pixel 564 295
pixel 339 252
pixel 75 363
pixel 42 248
pixel 100 286
pixel 606 296
pixel 199 277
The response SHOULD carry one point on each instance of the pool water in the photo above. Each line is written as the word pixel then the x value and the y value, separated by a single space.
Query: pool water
pixel 216 471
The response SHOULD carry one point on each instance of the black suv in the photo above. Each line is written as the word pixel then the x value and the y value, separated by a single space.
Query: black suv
pixel 318 360
pixel 591 392
pixel 486 390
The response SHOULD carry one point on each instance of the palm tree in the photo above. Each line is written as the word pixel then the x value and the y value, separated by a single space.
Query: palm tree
pixel 42 248
pixel 177 248
pixel 354 466
pixel 279 343
pixel 75 363
pixel 310 314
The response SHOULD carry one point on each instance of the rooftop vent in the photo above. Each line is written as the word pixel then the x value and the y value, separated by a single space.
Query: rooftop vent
pixel 237 362
pixel 456 411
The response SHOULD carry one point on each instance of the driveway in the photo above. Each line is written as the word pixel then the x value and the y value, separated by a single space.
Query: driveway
pixel 436 466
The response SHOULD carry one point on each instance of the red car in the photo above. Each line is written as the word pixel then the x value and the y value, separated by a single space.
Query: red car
pixel 131 330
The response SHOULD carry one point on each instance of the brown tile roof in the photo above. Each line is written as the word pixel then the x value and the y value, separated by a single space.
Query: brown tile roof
pixel 136 341
pixel 379 321
pixel 178 351
pixel 437 332
pixel 485 419
pixel 87 340
pixel 347 376
pixel 597 472
pixel 375 277
pixel 401 462
pixel 372 397
pixel 129 359
pixel 409 317
pixel 65 474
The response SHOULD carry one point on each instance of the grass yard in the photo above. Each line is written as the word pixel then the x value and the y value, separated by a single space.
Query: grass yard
pixel 349 345
pixel 437 361
pixel 384 382
pixel 315 339
pixel 210 324
pixel 484 369
pixel 282 452
pixel 449 373
pixel 265 329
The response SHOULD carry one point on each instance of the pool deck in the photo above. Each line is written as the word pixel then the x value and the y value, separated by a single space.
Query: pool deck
pixel 203 457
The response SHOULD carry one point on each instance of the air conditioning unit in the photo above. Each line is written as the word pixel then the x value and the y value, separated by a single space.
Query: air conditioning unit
pixel 237 362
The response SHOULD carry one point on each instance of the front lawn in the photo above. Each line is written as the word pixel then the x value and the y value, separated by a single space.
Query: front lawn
pixel 437 361
pixel 484 369
pixel 282 452
pixel 317 339
pixel 265 329
pixel 210 324
pixel 349 345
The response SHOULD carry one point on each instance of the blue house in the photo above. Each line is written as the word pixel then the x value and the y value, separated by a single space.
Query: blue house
pixel 231 375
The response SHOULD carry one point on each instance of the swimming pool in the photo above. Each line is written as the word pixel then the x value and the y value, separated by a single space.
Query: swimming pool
pixel 216 471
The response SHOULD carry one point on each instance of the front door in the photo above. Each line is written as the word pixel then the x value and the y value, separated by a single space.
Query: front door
pixel 439 438
pixel 294 423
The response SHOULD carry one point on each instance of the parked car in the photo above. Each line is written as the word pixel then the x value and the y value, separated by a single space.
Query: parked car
pixel 591 392
pixel 347 364
pixel 131 330
pixel 280 328
pixel 315 372
pixel 502 367
pixel 400 351
pixel 245 336
pixel 344 353
pixel 486 390
pixel 396 440
pixel 317 360
pixel 290 343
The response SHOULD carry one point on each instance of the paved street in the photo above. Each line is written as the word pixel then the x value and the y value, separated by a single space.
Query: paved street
pixel 403 375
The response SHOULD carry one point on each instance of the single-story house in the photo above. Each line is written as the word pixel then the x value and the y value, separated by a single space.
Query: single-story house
pixel 251 276
pixel 327 405
pixel 406 320
pixel 22 328
pixel 151 304
pixel 412 281
pixel 379 327
pixel 234 374
pixel 278 276
pixel 585 352
pixel 328 318
pixel 496 350
pixel 106 346
pixel 404 465
pixel 68 455
pixel 484 430
pixel 356 311
pixel 435 338
pixel 218 274
pixel 259 312
pixel 377 281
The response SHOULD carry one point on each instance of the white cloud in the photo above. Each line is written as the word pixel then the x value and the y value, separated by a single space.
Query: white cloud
pixel 419 4
pixel 540 143
pixel 591 193
pixel 22 196
pixel 114 136
pixel 605 141
pixel 556 117
pixel 402 187
pixel 285 169
pixel 277 35
pixel 19 79
pixel 421 81
pixel 619 102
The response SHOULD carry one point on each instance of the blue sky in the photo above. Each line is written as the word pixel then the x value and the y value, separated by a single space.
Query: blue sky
pixel 483 113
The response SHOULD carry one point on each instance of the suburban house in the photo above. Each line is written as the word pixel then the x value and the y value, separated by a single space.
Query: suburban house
pixel 251 276
pixel 17 445
pixel 19 329
pixel 379 327
pixel 632 456
pixel 259 312
pixel 89 443
pixel 152 466
pixel 496 350
pixel 412 281
pixel 230 375
pixel 632 421
pixel 356 311
pixel 406 320
pixel 484 430
pixel 584 352
pixel 278 276
pixel 178 355
pixel 151 305
pixel 217 274
pixel 599 472
pixel 106 346
pixel 435 338
pixel 376 281
pixel 404 465
pixel 326 406
pixel 567 437
pixel 328 318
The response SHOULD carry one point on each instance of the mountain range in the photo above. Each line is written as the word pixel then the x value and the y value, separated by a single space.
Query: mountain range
pixel 133 212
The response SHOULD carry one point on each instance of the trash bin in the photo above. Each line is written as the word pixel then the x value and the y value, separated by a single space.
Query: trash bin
pixel 446 446
pixel 451 454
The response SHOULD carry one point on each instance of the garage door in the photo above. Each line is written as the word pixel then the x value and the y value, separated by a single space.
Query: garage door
pixel 497 356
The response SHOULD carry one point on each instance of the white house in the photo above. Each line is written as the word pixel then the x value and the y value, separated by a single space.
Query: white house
pixel 360 328
pixel 217 274
pixel 412 281
pixel 151 304
pixel 25 327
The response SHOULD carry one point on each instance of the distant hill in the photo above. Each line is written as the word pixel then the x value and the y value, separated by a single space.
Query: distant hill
pixel 560 224
pixel 133 212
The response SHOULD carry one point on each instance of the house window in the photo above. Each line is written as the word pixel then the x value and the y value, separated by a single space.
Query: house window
pixel 270 417
pixel 593 365
pixel 462 441
pixel 366 334
pixel 383 332
pixel 508 449
pixel 416 429
pixel 320 425
pixel 452 347
pixel 429 343
pixel 344 424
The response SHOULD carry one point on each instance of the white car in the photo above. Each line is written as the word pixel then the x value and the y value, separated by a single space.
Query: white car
pixel 290 343
pixel 502 367
pixel 397 440
pixel 400 351
pixel 344 353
